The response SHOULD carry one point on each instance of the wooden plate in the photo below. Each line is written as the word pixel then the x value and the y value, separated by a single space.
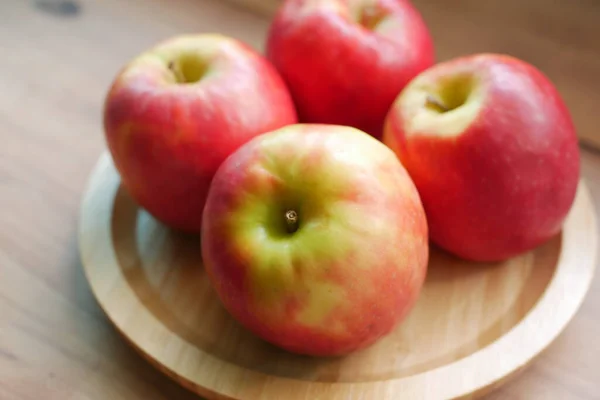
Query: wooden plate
pixel 473 326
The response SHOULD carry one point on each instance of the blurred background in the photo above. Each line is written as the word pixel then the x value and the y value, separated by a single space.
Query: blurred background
pixel 58 59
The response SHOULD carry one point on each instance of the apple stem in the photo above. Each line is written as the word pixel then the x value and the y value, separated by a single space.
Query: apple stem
pixel 177 72
pixel 291 221
pixel 435 103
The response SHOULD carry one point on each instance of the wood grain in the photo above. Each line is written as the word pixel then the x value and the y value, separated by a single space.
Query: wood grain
pixel 55 342
pixel 558 37
pixel 473 326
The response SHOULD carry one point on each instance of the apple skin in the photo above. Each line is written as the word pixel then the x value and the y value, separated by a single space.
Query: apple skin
pixel 497 175
pixel 356 264
pixel 167 136
pixel 341 66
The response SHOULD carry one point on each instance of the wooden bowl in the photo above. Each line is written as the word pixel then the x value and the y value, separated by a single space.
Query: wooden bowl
pixel 473 326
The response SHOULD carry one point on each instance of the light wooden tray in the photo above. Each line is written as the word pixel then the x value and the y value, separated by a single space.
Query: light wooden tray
pixel 472 328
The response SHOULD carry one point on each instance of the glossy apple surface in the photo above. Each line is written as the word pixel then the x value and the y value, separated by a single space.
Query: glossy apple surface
pixel 175 112
pixel 346 61
pixel 345 269
pixel 493 151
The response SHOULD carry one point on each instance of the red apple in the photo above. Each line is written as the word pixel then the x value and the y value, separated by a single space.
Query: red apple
pixel 315 239
pixel 175 112
pixel 346 61
pixel 493 151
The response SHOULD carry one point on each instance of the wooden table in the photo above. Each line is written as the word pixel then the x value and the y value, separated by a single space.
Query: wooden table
pixel 57 62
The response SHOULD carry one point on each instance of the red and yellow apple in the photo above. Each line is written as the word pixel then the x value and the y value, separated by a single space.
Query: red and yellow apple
pixel 175 112
pixel 315 238
pixel 493 151
pixel 346 61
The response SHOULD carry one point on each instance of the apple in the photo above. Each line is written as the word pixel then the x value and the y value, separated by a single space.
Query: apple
pixel 175 112
pixel 492 149
pixel 346 61
pixel 315 239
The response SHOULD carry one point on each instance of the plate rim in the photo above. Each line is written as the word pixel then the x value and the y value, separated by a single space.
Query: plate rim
pixel 514 350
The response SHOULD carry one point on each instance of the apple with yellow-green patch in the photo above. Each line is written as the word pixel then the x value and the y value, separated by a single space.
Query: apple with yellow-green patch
pixel 492 148
pixel 315 239
pixel 177 110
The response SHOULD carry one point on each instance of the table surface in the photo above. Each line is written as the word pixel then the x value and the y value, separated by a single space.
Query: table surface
pixel 58 60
